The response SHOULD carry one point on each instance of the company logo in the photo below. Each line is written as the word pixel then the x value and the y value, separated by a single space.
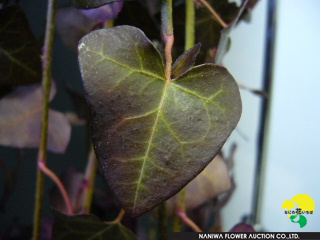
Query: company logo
pixel 298 208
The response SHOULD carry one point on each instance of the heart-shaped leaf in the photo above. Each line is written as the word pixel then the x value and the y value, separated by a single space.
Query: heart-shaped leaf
pixel 85 227
pixel 19 52
pixel 185 62
pixel 152 136
pixel 87 4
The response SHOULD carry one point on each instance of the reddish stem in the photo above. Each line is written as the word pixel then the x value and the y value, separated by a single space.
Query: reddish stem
pixel 182 214
pixel 57 181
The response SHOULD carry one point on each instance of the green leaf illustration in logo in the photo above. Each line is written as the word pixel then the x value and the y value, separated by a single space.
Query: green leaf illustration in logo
pixel 302 220
pixel 152 136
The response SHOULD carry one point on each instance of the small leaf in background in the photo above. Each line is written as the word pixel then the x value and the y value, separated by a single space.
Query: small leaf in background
pixel 152 136
pixel 21 118
pixel 104 13
pixel 207 28
pixel 242 227
pixel 73 182
pixel 88 4
pixel 186 61
pixel 224 38
pixel 72 25
pixel 210 183
pixel 19 51
pixel 85 227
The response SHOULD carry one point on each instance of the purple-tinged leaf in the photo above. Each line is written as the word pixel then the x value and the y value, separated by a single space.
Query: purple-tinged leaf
pixel 152 136
pixel 19 51
pixel 185 62
pixel 21 118
pixel 104 13
pixel 72 25
pixel 87 226
pixel 88 4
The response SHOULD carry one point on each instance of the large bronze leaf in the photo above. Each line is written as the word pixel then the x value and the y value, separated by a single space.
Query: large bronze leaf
pixel 152 136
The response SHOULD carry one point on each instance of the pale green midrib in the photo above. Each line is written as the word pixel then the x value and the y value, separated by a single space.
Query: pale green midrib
pixel 126 66
pixel 134 70
pixel 150 142
pixel 20 64
pixel 98 234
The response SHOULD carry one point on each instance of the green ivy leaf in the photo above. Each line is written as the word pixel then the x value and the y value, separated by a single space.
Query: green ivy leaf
pixel 152 136
pixel 88 4
pixel 185 62
pixel 85 227
pixel 19 52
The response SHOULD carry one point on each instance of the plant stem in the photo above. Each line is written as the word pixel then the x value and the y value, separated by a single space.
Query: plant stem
pixel 167 32
pixel 162 222
pixel 189 42
pixel 182 214
pixel 190 24
pixel 46 82
pixel 57 181
pixel 166 18
pixel 90 177
pixel 118 218
pixel 214 13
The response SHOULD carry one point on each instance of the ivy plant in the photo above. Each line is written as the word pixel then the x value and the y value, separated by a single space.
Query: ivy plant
pixel 158 108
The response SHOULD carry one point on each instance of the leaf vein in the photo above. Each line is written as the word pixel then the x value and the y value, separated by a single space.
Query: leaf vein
pixel 126 66
pixel 20 64
pixel 150 142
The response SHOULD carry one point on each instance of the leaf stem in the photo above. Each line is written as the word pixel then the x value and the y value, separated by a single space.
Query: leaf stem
pixel 190 24
pixel 162 222
pixel 166 18
pixel 90 177
pixel 118 218
pixel 189 42
pixel 214 13
pixel 167 32
pixel 182 214
pixel 168 51
pixel 46 82
pixel 57 181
